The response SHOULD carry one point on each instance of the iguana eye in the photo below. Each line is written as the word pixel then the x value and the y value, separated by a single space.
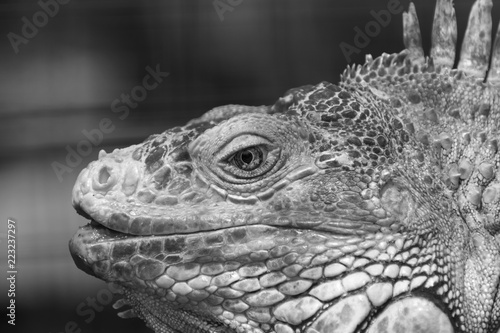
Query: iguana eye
pixel 249 159
pixel 249 152
pixel 251 162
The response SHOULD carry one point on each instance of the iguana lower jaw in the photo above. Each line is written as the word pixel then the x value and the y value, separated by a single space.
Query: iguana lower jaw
pixel 146 300
pixel 191 282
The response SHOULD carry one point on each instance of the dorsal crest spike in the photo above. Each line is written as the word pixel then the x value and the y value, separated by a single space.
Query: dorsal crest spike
pixel 411 34
pixel 494 72
pixel 475 53
pixel 444 34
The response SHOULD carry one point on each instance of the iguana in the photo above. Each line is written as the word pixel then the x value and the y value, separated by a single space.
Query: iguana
pixel 367 206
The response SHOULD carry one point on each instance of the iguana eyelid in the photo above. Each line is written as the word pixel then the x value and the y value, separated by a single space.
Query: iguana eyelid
pixel 241 142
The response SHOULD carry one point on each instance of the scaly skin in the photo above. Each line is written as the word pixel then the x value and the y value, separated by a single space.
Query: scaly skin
pixel 371 206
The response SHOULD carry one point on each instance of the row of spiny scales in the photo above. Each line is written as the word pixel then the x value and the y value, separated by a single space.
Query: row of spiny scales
pixel 476 49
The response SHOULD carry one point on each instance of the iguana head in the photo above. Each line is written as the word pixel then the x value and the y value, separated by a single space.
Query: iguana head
pixel 365 206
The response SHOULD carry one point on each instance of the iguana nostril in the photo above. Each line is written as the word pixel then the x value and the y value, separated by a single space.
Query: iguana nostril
pixel 104 176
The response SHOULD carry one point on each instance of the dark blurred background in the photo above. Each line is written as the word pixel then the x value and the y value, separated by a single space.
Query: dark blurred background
pixel 63 80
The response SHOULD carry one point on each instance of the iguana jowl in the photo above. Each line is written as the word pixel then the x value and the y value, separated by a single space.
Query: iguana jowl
pixel 371 206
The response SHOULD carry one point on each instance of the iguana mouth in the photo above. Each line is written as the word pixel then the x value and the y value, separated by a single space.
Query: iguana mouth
pixel 94 246
pixel 94 232
pixel 106 233
pixel 154 311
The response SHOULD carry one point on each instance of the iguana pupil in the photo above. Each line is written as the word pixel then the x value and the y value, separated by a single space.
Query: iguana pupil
pixel 249 159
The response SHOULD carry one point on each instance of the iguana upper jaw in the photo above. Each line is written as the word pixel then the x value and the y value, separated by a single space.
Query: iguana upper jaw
pixel 184 180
